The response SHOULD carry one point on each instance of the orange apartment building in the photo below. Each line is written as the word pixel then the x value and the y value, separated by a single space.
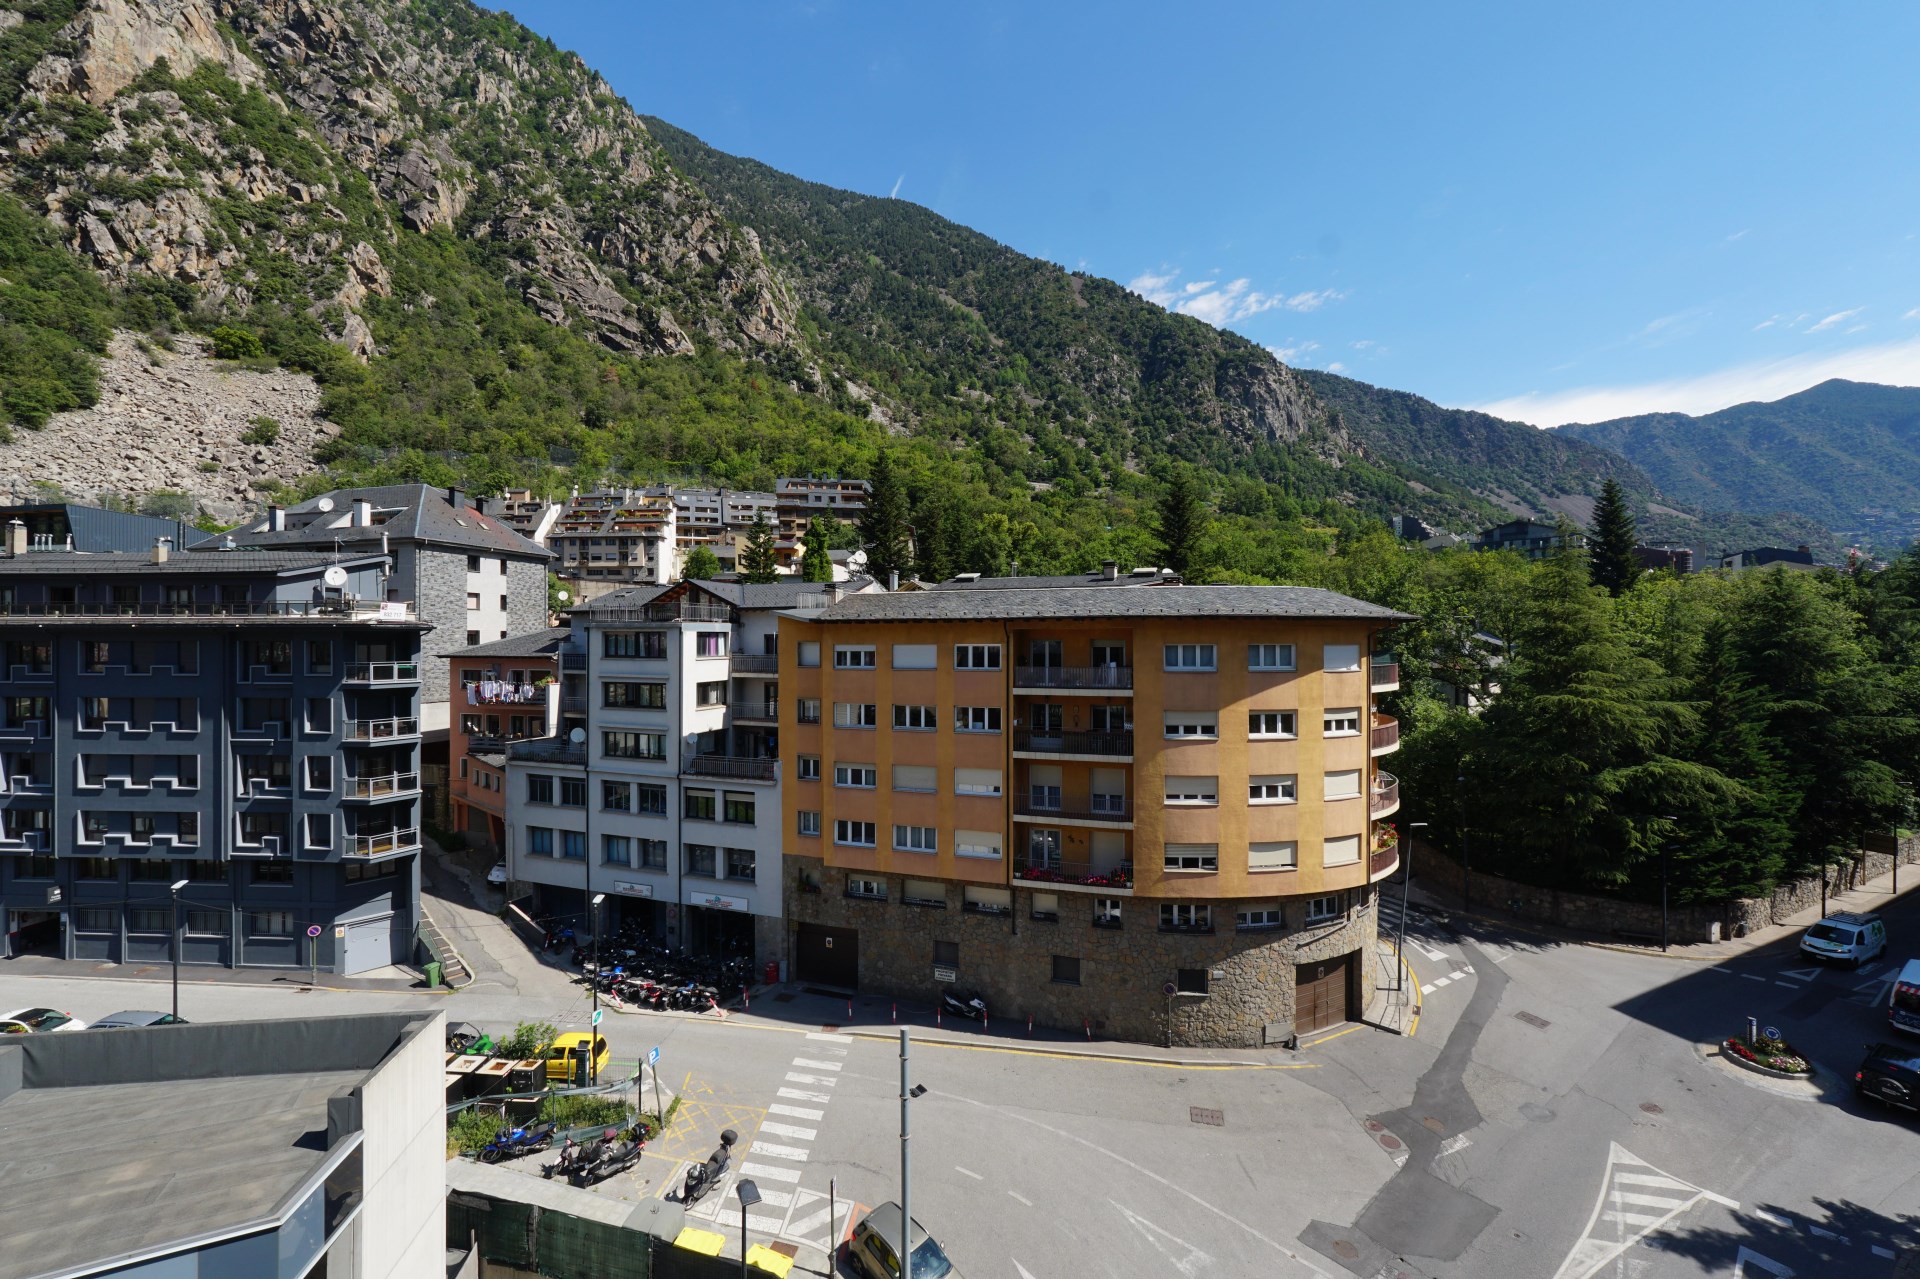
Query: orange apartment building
pixel 1153 813
pixel 503 692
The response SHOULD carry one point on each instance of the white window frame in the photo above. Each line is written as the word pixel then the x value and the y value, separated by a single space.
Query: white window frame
pixel 1272 657
pixel 1106 911
pixel 976 719
pixel 1329 841
pixel 1259 919
pixel 1192 792
pixel 977 846
pixel 905 655
pixel 856 776
pixel 932 774
pixel 809 654
pixel 1327 783
pixel 1190 726
pixel 910 718
pixel 1190 657
pixel 1186 917
pixel 1191 858
pixel 1328 658
pixel 1330 719
pixel 1273 788
pixel 916 839
pixel 1265 856
pixel 1271 726
pixel 808 769
pixel 809 823
pixel 855 657
pixel 856 715
pixel 846 832
pixel 976 657
pixel 959 788
pixel 1329 906
pixel 864 887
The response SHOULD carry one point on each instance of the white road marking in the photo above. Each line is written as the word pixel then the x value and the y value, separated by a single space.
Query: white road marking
pixel 1437 956
pixel 1630 1201
pixel 770 1151
pixel 1772 1218
pixel 1427 989
pixel 829 1037
pixel 790 1131
pixel 1767 1264
pixel 1436 985
pixel 794 1112
pixel 1753 976
pixel 969 1172
pixel 826 1081
pixel 1188 1260
pixel 1828 1234
pixel 1790 985
pixel 777 1198
pixel 799 1094
pixel 1867 971
pixel 809 1064
pixel 1024 1272
pixel 1878 1251
pixel 1022 1198
pixel 807 1224
pixel 765 1225
pixel 1454 1144
pixel 769 1172
pixel 1801 974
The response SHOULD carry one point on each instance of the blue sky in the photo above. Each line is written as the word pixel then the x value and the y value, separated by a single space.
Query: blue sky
pixel 1555 213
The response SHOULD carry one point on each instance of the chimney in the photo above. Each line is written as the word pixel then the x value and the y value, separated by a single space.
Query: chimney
pixel 16 536
pixel 276 519
pixel 456 497
pixel 1016 568
pixel 893 579
pixel 362 513
pixel 1110 569
pixel 162 547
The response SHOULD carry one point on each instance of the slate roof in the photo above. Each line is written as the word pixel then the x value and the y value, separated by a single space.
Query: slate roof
pixel 95 529
pixel 1048 583
pixel 417 512
pixel 1071 602
pixel 544 643
pixel 201 561
pixel 787 592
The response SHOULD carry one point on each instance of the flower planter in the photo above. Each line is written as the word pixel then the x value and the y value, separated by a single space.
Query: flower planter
pixel 1761 1059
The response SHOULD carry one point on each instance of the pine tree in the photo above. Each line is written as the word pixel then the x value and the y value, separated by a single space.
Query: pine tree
pixel 1613 563
pixel 759 558
pixel 936 536
pixel 701 565
pixel 884 530
pixel 1183 520
pixel 815 564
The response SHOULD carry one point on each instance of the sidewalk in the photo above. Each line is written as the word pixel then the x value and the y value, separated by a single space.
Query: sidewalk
pixel 390 979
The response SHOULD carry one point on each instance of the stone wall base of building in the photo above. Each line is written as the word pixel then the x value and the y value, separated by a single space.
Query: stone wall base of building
pixel 1234 988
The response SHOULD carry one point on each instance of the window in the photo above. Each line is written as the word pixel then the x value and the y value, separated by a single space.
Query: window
pixel 1342 723
pixel 273 872
pixel 1193 857
pixel 1271 788
pixel 915 657
pixel 741 864
pixel 1189 657
pixel 265 772
pixel 616 797
pixel 207 923
pixel 473 601
pixel 1269 725
pixel 976 719
pixel 915 777
pixel 1045 906
pixel 976 781
pixel 319 714
pixel 652 644
pixel 863 886
pixel 1190 981
pixel 916 839
pixel 319 830
pixel 976 657
pixel 1193 790
pixel 573 845
pixel 539 788
pixel 977 843
pixel 1324 908
pixel 1344 784
pixel 505 605
pixel 1341 657
pixel 270 923
pixel 616 850
pixel 473 638
pixel 629 695
pixel 273 656
pixel 95 919
pixel 473 563
pixel 1066 970
pixel 1191 724
pixel 633 745
pixel 856 834
pixel 710 693
pixel 737 807
pixel 150 870
pixel 650 800
pixel 1282 854
pixel 809 653
pixel 573 792
pixel 188 824
pixel 1106 912
pixel 653 853
pixel 1269 657
pixel 701 860
pixel 853 657
pixel 1185 917
pixel 710 644
pixel 946 954
pixel 1341 850
pixel 539 841
pixel 855 715
pixel 809 768
pixel 860 776
pixel 319 773
pixel 924 892
pixel 809 823
pixel 257 828
pixel 987 901
pixel 919 719
pixel 96 868
pixel 808 710
pixel 698 805
pixel 35 868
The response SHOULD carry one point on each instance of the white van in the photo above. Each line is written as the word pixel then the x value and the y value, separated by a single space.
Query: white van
pixel 1903 1001
pixel 1845 935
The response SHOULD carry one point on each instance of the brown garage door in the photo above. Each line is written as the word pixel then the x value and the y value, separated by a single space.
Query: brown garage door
pixel 1320 993
pixel 827 956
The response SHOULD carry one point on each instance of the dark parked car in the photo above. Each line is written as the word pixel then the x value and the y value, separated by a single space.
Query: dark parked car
pixel 127 1020
pixel 1890 1074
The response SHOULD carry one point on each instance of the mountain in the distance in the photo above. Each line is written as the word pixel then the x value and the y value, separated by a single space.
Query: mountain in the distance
pixel 1844 454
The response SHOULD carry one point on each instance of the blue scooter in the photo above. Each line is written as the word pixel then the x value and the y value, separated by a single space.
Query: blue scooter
pixel 510 1142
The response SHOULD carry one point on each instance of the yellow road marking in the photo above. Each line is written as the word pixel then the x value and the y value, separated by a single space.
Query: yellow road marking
pixel 1335 1035
pixel 1120 1061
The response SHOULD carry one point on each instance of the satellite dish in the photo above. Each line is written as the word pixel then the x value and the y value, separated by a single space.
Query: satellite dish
pixel 577 736
pixel 334 576
pixel 324 504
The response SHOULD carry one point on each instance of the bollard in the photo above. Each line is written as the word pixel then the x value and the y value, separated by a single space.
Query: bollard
pixel 849 1012
pixel 1753 1030
pixel 895 1014
pixel 1029 1025
pixel 936 1014
pixel 1088 1024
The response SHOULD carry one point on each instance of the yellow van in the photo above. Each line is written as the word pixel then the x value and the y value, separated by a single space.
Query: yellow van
pixel 567 1057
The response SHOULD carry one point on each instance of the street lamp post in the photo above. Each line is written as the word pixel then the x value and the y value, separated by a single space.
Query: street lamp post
pixel 175 948
pixel 1466 858
pixel 593 1026
pixel 749 1196
pixel 907 1094
pixel 1406 886
pixel 1666 861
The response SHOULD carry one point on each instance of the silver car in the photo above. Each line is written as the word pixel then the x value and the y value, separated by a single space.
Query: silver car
pixel 875 1248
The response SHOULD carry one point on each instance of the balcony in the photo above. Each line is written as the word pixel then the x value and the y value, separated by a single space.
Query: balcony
pixel 1113 880
pixel 392 786
pixel 548 750
pixel 573 705
pixel 731 767
pixel 382 673
pixel 754 712
pixel 1386 796
pixel 1386 735
pixel 342 609
pixel 756 663
pixel 500 694
pixel 1027 741
pixel 1384 676
pixel 572 660
pixel 1083 679
pixel 1098 810
pixel 381 730
pixel 672 612
pixel 1383 861
pixel 24 841
pixel 384 843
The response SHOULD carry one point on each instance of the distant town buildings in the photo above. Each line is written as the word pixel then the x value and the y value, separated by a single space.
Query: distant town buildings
pixel 1799 559
pixel 1531 538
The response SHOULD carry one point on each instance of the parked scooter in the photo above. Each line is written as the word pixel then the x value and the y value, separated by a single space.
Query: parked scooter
pixel 963 1003
pixel 704 1177
pixel 510 1142
pixel 574 1156
pixel 616 1158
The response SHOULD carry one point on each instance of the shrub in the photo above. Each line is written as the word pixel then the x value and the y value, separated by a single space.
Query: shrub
pixel 529 1039
pixel 231 342
pixel 264 430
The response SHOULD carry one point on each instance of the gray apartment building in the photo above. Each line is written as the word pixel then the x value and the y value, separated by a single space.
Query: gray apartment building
pixel 244 721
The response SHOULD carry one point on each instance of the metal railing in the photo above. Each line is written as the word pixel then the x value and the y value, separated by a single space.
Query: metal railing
pixel 548 750
pixel 1073 743
pixel 1386 794
pixel 1094 808
pixel 757 770
pixel 573 661
pixel 382 673
pixel 506 695
pixel 675 612
pixel 573 705
pixel 1382 861
pixel 354 610
pixel 1386 733
pixel 392 786
pixel 1094 677
pixel 754 710
pixel 381 843
pixel 380 730
pixel 1384 675
pixel 1076 874
pixel 756 663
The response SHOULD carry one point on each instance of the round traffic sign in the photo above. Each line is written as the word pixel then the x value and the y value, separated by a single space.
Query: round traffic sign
pixel 313 930
pixel 1771 1032
pixel 1171 990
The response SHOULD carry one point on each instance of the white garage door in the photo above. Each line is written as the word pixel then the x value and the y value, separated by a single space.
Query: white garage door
pixel 369 944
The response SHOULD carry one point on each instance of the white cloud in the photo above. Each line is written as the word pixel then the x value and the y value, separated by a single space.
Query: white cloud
pixel 1313 301
pixel 895 193
pixel 1220 303
pixel 1767 323
pixel 1295 354
pixel 1892 363
pixel 1154 288
pixel 1336 367
pixel 1912 315
pixel 1363 344
pixel 1738 235
pixel 1836 319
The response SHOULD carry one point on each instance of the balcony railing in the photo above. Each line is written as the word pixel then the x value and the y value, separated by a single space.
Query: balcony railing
pixel 573 705
pixel 1114 877
pixel 1386 795
pixel 768 712
pixel 352 610
pixel 381 843
pixel 382 673
pixel 571 660
pixel 497 743
pixel 1386 734
pixel 1040 742
pixel 1384 677
pixel 548 750
pixel 674 612
pixel 756 663
pixel 1087 808
pixel 392 786
pixel 505 695
pixel 751 770
pixel 1382 861
pixel 1087 677
pixel 381 730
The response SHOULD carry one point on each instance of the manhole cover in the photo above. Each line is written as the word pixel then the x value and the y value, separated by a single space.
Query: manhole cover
pixel 1388 1140
pixel 1433 1124
pixel 1212 1118
pixel 1653 1108
pixel 1344 1250
pixel 1538 1023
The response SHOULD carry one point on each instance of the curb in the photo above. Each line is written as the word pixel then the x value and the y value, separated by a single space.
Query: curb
pixel 1793 1087
pixel 1754 1067
pixel 1067 1050
pixel 270 984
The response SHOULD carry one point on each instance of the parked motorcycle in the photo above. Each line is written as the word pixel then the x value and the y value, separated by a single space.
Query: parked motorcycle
pixel 574 1155
pixel 510 1142
pixel 616 1158
pixel 963 1003
pixel 704 1177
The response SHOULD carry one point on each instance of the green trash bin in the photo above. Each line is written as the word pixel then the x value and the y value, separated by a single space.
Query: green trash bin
pixel 433 973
